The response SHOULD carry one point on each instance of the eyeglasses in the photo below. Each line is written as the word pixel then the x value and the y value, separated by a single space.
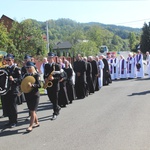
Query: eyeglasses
pixel 28 67
pixel 8 60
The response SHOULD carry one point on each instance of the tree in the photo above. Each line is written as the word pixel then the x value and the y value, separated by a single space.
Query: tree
pixel 27 38
pixel 85 48
pixel 4 39
pixel 145 38
pixel 132 41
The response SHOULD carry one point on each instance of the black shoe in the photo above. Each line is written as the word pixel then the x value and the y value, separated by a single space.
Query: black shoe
pixel 28 118
pixel 59 108
pixel 63 106
pixel 13 125
pixel 54 117
pixel 2 116
pixel 7 124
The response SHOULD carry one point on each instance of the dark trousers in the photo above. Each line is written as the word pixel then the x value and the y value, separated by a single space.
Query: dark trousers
pixel 53 96
pixel 3 106
pixel 11 106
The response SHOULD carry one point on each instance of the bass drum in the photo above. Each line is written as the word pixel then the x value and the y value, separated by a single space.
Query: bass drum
pixel 4 82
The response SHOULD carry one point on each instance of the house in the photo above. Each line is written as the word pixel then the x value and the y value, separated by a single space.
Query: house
pixel 63 49
pixel 7 22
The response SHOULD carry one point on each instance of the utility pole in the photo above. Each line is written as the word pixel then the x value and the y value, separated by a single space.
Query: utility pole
pixel 47 36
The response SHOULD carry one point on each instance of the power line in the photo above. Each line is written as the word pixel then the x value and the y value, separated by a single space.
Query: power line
pixel 133 21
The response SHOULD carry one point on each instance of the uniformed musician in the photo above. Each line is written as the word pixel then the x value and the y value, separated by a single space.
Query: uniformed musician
pixel 54 79
pixel 32 97
pixel 14 74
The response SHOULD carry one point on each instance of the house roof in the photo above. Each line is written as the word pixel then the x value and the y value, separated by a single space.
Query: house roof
pixel 3 16
pixel 7 22
pixel 62 45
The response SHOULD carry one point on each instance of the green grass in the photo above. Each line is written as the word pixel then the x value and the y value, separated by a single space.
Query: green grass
pixel 41 91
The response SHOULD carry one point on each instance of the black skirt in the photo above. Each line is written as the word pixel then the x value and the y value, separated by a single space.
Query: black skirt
pixel 32 100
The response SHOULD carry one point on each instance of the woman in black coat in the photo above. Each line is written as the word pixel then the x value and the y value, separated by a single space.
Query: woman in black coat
pixel 32 98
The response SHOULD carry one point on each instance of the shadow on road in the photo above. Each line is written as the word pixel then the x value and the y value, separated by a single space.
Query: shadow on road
pixel 140 93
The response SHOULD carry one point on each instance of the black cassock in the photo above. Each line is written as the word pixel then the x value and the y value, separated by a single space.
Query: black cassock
pixel 62 95
pixel 70 85
pixel 80 81
pixel 94 73
pixel 89 78
pixel 106 73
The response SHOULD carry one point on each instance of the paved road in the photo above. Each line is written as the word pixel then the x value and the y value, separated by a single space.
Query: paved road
pixel 115 118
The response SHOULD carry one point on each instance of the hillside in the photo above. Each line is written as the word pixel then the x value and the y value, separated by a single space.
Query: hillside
pixel 115 37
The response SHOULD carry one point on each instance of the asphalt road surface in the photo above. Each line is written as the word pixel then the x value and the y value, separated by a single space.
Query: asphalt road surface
pixel 115 118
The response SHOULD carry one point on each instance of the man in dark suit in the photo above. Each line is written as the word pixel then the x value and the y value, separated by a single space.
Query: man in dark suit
pixel 52 91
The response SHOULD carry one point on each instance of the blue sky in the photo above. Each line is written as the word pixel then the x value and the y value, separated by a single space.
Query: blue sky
pixel 132 13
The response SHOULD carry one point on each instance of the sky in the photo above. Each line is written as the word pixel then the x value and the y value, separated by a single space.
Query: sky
pixel 130 13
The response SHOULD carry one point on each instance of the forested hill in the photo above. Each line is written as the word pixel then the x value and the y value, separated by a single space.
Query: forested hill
pixel 111 26
pixel 121 31
pixel 115 37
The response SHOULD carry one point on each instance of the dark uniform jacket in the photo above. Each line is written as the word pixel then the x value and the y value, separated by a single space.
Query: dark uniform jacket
pixel 48 70
pixel 15 72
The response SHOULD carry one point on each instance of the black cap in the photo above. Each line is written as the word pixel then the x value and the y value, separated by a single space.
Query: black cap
pixel 27 56
pixel 29 64
pixel 51 54
pixel 11 56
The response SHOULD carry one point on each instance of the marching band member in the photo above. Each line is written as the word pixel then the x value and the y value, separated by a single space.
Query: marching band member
pixel 53 90
pixel 11 96
pixel 32 98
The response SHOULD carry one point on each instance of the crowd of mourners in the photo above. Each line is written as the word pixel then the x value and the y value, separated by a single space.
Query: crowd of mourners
pixel 65 82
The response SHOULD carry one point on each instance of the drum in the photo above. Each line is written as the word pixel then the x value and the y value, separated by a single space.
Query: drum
pixel 4 81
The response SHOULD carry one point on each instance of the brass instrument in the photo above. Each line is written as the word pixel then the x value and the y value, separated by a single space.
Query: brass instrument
pixel 49 83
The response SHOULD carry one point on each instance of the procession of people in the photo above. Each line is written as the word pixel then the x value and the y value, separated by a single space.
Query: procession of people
pixel 63 82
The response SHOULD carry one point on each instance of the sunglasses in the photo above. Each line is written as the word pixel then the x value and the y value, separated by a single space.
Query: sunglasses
pixel 8 60
pixel 28 67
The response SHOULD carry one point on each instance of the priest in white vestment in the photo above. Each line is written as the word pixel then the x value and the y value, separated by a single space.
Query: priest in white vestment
pixel 114 68
pixel 122 68
pixel 148 63
pixel 130 66
pixel 100 66
pixel 139 65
